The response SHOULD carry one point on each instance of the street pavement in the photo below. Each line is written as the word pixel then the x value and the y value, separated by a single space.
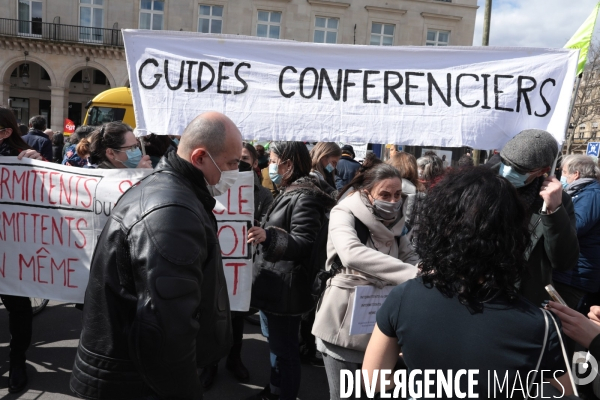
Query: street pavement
pixel 56 335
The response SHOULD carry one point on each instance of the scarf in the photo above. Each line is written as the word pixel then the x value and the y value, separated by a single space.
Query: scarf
pixel 194 176
pixel 577 185
pixel 530 193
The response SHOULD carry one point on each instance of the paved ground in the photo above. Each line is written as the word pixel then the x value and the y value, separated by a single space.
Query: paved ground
pixel 55 337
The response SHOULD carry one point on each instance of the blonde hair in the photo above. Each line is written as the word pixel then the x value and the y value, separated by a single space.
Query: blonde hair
pixel 322 150
pixel 406 163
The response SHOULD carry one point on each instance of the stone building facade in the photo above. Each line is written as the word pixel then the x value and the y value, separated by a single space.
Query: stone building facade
pixel 56 55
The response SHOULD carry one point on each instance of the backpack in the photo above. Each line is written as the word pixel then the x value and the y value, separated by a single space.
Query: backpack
pixel 318 258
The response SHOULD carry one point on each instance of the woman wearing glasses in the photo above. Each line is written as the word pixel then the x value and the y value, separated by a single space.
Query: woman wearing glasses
pixel 115 146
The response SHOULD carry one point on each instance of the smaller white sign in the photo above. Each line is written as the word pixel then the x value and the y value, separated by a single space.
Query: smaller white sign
pixel 367 301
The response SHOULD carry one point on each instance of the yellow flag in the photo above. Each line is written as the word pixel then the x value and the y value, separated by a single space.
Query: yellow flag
pixel 583 37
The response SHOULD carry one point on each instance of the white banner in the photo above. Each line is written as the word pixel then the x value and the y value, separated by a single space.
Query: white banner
pixel 285 90
pixel 51 216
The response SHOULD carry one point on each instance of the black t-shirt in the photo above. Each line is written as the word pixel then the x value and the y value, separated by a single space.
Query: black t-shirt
pixel 437 332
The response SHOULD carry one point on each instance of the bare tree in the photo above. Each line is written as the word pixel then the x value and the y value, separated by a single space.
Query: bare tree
pixel 587 103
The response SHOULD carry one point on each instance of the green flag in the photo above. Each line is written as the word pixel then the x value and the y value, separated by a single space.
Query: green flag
pixel 583 37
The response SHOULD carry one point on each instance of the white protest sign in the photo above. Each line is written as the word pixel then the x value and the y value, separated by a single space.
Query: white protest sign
pixel 367 301
pixel 235 215
pixel 285 90
pixel 360 150
pixel 52 214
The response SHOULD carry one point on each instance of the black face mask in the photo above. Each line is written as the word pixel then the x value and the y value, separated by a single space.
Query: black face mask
pixel 244 166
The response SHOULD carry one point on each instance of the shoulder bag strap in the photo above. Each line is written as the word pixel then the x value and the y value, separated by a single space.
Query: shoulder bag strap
pixel 363 234
pixel 537 368
pixel 562 346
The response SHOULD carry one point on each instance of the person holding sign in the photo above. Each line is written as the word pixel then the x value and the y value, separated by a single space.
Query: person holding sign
pixel 383 258
pixel 525 161
pixel 115 146
pixel 464 309
pixel 157 306
pixel 19 308
pixel 286 236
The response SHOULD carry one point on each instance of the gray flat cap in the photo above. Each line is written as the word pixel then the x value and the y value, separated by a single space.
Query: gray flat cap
pixel 531 149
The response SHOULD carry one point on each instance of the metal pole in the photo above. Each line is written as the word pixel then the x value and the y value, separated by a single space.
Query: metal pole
pixel 487 16
pixel 573 99
pixel 485 41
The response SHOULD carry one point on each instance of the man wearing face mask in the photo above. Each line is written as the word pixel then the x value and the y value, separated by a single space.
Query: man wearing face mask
pixel 525 161
pixel 156 306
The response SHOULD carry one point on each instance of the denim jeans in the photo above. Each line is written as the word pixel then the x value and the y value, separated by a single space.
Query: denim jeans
pixel 282 333
pixel 20 317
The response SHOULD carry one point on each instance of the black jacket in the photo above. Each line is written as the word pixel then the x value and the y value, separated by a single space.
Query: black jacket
pixel 282 285
pixel 554 247
pixel 40 142
pixel 156 305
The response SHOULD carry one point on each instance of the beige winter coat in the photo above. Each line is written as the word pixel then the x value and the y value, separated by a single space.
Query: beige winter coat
pixel 380 262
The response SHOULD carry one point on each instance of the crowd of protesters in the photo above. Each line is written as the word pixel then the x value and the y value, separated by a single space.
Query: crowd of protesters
pixel 467 249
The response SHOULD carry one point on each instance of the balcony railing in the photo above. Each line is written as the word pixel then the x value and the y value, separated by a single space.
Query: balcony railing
pixel 61 32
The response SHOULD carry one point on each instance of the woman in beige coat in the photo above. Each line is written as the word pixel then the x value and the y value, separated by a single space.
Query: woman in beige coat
pixel 386 259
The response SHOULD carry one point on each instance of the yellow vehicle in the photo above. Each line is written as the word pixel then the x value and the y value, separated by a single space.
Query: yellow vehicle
pixel 111 105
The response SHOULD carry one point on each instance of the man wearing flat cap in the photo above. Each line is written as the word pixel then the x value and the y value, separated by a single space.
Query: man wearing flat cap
pixel 525 161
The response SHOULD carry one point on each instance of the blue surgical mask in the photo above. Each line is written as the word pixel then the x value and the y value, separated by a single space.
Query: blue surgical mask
pixel 517 179
pixel 134 156
pixel 329 168
pixel 176 141
pixel 274 174
pixel 563 182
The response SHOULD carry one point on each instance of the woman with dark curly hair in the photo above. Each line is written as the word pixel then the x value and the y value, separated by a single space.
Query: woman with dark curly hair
pixel 463 310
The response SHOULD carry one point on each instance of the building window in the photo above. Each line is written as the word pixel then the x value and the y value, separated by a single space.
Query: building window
pixel 581 131
pixel 211 19
pixel 99 78
pixel 326 30
pixel 269 24
pixel 91 15
pixel 437 38
pixel 44 75
pixel 30 17
pixel 382 34
pixel 151 14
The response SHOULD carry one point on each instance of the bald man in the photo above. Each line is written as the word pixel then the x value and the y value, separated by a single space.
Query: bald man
pixel 156 306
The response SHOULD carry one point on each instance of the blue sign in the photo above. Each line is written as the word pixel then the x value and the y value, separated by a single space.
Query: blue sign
pixel 593 149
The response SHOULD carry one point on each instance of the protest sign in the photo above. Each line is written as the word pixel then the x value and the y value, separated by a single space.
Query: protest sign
pixel 287 90
pixel 235 215
pixel 52 215
pixel 367 301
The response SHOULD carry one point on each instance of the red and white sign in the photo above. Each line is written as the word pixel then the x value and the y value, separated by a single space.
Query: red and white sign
pixel 51 216
pixel 69 126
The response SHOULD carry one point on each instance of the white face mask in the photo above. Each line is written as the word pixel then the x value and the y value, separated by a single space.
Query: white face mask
pixel 227 180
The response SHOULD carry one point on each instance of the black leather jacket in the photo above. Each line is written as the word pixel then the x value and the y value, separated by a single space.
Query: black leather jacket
pixel 156 305
pixel 282 283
